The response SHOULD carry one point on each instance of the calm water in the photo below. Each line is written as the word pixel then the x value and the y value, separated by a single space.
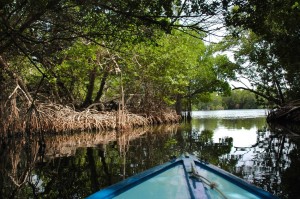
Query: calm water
pixel 74 166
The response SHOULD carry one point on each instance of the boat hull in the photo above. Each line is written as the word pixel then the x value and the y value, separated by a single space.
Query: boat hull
pixel 184 177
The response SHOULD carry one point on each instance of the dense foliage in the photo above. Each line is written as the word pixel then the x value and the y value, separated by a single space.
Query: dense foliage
pixel 145 54
pixel 47 45
pixel 153 76
pixel 257 65
pixel 239 99
pixel 269 53
pixel 77 53
pixel 41 28
pixel 176 71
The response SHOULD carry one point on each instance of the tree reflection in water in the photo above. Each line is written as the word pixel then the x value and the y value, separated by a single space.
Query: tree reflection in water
pixel 74 166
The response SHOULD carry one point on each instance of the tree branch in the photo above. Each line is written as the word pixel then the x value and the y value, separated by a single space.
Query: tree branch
pixel 269 98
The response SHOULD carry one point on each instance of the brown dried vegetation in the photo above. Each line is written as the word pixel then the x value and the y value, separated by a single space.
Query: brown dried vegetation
pixel 20 115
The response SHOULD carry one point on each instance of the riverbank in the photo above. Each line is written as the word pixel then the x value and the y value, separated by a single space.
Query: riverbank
pixel 55 118
pixel 289 112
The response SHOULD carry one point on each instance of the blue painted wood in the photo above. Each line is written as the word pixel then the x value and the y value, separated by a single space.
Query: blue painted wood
pixel 197 188
pixel 235 180
pixel 194 176
pixel 127 184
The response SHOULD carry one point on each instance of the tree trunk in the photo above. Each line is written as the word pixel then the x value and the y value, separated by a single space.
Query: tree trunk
pixel 189 111
pixel 9 79
pixel 280 92
pixel 64 91
pixel 4 67
pixel 189 105
pixel 90 88
pixel 178 105
pixel 2 98
pixel 101 88
pixel 55 93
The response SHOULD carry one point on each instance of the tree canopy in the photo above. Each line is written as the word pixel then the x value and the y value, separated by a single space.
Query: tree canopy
pixel 154 76
pixel 178 69
pixel 72 51
pixel 273 45
pixel 40 30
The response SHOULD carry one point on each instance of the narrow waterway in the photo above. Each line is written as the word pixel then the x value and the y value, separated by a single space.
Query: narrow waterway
pixel 74 166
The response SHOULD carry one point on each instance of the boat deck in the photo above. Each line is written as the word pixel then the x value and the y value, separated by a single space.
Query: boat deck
pixel 184 177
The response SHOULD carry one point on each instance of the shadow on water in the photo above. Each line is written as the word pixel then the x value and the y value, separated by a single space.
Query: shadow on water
pixel 74 166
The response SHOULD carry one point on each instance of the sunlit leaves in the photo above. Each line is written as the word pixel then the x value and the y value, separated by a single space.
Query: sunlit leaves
pixel 276 24
pixel 178 64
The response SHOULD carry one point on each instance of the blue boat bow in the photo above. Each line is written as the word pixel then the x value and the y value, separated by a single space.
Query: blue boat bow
pixel 184 177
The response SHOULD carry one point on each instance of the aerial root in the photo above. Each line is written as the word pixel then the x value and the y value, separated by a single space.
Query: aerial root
pixel 56 118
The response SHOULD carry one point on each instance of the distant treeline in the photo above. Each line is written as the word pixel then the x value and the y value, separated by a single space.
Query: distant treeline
pixel 239 99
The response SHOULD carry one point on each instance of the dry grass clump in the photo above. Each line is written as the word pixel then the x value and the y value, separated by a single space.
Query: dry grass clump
pixel 58 118
pixel 19 114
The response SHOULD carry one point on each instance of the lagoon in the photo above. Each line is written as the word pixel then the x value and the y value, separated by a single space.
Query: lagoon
pixel 76 165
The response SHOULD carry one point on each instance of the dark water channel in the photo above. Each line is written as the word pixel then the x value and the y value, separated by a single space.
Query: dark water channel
pixel 74 166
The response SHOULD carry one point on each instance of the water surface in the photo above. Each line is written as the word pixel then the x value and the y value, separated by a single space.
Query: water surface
pixel 77 165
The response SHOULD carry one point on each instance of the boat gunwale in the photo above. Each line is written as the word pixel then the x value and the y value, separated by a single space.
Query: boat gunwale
pixel 122 186
pixel 234 179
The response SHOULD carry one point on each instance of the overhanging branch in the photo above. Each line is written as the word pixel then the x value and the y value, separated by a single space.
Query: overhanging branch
pixel 269 98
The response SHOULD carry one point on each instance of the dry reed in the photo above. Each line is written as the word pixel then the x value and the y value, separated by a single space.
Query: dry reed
pixel 23 116
pixel 58 118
